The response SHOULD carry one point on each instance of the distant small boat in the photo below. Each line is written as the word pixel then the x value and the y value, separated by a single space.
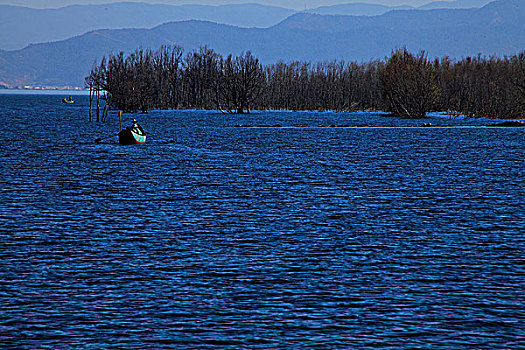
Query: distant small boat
pixel 130 136
pixel 65 100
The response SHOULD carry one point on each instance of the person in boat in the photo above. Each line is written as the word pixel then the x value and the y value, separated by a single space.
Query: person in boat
pixel 136 128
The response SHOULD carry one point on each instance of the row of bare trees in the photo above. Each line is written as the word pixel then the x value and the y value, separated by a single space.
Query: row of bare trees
pixel 404 84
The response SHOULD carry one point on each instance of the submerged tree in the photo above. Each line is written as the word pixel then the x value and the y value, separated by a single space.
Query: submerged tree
pixel 405 84
pixel 200 77
pixel 96 82
pixel 408 84
pixel 241 83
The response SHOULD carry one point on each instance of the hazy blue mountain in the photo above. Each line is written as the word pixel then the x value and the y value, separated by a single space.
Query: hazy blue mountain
pixel 356 9
pixel 367 9
pixel 21 26
pixel 497 28
pixel 457 4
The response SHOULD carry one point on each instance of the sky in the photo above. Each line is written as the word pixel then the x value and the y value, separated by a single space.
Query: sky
pixel 295 4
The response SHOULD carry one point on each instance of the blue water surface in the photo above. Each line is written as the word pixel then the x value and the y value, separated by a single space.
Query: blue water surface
pixel 283 233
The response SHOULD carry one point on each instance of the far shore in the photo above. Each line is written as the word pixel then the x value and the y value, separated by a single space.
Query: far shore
pixel 44 92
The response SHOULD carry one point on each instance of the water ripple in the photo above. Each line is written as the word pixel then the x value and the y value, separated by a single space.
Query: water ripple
pixel 293 237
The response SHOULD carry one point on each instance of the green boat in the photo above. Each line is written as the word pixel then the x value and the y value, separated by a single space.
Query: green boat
pixel 70 101
pixel 131 136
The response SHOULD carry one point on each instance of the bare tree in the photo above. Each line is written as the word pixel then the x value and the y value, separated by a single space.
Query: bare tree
pixel 408 84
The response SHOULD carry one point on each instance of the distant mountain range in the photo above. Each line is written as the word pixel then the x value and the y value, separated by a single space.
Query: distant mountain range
pixel 497 28
pixel 21 26
pixel 457 4
pixel 365 9
pixel 26 25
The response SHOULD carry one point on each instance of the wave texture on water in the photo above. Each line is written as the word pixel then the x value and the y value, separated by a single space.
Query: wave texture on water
pixel 234 238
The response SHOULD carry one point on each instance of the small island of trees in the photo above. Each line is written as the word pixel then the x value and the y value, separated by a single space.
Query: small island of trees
pixel 404 84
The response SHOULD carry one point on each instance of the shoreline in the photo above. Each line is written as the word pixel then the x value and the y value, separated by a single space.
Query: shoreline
pixel 43 92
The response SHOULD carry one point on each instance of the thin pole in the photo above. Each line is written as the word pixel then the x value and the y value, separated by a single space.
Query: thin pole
pixel 90 99
pixel 120 119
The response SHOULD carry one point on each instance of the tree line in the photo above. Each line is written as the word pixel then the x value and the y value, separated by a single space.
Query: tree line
pixel 405 84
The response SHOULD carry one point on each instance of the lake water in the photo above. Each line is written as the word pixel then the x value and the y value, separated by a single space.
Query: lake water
pixel 294 237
